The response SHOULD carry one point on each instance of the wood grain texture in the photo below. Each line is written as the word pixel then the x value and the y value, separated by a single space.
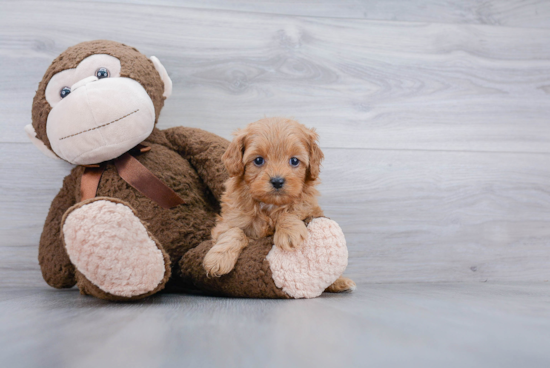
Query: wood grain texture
pixel 415 216
pixel 363 84
pixel 513 13
pixel 412 325
pixel 436 135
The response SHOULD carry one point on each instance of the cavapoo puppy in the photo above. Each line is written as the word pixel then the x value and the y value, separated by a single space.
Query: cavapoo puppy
pixel 274 167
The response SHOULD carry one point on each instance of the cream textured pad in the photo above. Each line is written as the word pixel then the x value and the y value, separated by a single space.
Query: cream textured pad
pixel 315 265
pixel 109 245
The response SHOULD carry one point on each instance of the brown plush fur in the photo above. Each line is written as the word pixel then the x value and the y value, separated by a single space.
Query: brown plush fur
pixel 252 278
pixel 252 207
pixel 173 157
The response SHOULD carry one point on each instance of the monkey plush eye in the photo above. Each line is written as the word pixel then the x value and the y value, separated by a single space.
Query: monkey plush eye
pixel 64 92
pixel 294 162
pixel 102 73
pixel 259 161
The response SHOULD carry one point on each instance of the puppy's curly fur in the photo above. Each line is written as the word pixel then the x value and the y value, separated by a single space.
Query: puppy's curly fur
pixel 274 166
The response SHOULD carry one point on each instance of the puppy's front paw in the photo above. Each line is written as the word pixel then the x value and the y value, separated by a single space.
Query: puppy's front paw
pixel 291 237
pixel 217 263
pixel 223 256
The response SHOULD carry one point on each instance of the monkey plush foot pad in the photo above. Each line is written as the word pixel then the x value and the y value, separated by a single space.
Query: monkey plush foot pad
pixel 111 248
pixel 315 265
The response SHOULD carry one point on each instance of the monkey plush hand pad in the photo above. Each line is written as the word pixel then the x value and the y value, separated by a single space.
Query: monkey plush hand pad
pixel 96 102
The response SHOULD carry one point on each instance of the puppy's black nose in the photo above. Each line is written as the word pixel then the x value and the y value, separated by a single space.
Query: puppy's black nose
pixel 277 182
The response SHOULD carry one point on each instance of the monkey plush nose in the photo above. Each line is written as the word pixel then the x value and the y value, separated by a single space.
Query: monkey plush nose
pixel 83 82
pixel 277 182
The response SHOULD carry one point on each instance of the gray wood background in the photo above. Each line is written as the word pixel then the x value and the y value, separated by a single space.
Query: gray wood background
pixel 433 116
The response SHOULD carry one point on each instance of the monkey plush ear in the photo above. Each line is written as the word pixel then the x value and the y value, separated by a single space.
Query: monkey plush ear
pixel 163 75
pixel 31 133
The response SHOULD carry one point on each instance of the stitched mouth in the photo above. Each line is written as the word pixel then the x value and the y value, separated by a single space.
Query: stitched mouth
pixel 100 126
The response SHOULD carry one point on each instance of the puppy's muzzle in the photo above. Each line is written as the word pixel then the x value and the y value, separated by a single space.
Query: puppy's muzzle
pixel 277 182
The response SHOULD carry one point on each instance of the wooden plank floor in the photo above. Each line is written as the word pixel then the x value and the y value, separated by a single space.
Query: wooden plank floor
pixel 399 325
pixel 433 117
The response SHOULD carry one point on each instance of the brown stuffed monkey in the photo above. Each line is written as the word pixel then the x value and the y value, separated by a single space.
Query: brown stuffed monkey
pixel 131 216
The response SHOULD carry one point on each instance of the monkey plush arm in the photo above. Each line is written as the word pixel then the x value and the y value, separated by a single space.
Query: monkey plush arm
pixel 266 271
pixel 56 267
pixel 204 150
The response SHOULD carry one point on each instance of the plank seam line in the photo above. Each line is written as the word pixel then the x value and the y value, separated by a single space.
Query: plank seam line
pixel 395 149
pixel 304 16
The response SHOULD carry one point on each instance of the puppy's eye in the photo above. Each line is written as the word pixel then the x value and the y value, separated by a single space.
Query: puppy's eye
pixel 294 162
pixel 64 92
pixel 102 73
pixel 259 161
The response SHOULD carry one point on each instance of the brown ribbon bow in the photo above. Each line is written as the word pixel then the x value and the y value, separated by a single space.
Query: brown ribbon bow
pixel 134 173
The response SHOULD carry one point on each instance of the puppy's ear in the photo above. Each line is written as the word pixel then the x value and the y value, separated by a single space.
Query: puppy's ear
pixel 315 155
pixel 233 156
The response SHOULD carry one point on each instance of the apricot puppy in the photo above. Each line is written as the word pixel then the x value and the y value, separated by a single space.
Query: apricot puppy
pixel 274 166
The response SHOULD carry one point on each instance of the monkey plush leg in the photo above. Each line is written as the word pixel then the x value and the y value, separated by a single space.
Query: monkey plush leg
pixel 341 285
pixel 264 270
pixel 116 258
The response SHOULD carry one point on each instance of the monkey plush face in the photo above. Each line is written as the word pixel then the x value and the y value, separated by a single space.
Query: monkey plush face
pixel 96 101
